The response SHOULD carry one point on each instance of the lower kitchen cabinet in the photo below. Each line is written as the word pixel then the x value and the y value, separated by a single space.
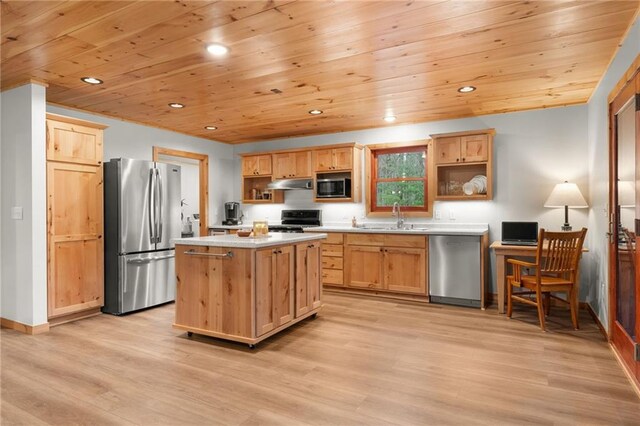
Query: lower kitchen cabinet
pixel 246 294
pixel 308 282
pixel 393 263
pixel 213 291
pixel 363 267
pixel 274 288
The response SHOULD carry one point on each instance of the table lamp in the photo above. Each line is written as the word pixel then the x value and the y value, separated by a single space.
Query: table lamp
pixel 566 195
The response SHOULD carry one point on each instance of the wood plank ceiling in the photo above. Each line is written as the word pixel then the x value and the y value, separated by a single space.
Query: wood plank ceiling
pixel 355 60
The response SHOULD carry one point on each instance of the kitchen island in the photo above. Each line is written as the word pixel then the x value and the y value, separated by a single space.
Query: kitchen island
pixel 247 289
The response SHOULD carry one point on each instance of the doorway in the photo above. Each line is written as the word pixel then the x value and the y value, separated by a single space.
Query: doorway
pixel 624 238
pixel 189 160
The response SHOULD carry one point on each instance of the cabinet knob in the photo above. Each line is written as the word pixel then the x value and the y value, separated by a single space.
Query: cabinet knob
pixel 457 159
pixel 462 158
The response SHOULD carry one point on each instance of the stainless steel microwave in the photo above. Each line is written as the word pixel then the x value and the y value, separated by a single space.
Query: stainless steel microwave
pixel 333 188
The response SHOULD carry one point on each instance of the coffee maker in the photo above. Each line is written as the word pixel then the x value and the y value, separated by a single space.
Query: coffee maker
pixel 232 215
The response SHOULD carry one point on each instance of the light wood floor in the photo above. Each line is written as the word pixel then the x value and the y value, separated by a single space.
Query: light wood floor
pixel 362 361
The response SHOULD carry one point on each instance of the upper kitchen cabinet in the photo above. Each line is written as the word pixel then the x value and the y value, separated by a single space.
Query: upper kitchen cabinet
pixel 75 284
pixel 256 165
pixel 291 165
pixel 338 173
pixel 464 165
pixel 70 140
pixel 333 159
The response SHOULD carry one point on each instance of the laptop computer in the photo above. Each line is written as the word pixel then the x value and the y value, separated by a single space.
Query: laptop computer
pixel 520 233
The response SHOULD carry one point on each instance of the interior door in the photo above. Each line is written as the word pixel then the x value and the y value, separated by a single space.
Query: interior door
pixel 624 188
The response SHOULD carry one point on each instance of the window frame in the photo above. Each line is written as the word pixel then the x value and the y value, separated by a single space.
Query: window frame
pixel 371 153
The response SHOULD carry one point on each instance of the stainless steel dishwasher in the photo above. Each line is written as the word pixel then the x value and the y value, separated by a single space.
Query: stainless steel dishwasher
pixel 454 269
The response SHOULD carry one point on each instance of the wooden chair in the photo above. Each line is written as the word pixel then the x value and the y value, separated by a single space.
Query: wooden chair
pixel 556 270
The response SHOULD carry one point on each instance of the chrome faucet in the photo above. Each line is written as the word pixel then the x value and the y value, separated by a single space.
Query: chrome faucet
pixel 395 211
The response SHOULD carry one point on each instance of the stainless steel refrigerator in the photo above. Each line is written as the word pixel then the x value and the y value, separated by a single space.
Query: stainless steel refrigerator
pixel 142 217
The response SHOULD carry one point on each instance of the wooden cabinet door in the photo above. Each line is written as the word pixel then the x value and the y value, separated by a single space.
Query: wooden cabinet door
pixel 474 148
pixel 323 160
pixel 447 150
pixel 256 165
pixel 283 285
pixel 405 270
pixel 75 244
pixel 274 282
pixel 284 165
pixel 363 267
pixel 250 165
pixel 303 164
pixel 308 287
pixel 73 143
pixel 213 292
pixel 343 159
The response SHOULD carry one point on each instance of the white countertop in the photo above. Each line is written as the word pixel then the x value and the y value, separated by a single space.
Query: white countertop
pixel 273 239
pixel 419 229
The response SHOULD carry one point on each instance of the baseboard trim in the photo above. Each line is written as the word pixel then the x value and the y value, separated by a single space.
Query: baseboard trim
pixel 634 382
pixel 24 328
pixel 597 320
pixel 63 319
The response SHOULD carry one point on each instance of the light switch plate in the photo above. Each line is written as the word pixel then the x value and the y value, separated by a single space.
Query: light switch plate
pixel 438 215
pixel 16 213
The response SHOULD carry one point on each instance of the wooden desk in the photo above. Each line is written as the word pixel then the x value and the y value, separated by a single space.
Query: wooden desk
pixel 504 252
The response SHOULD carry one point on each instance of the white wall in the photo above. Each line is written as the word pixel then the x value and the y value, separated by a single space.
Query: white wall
pixel 598 121
pixel 24 257
pixel 125 139
pixel 533 150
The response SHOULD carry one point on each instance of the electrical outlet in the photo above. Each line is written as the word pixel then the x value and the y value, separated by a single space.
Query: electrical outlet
pixel 16 213
pixel 438 215
pixel 452 215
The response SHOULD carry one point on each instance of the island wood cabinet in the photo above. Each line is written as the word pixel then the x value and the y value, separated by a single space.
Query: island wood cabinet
pixel 308 283
pixel 274 288
pixel 256 165
pixel 459 158
pixel 394 263
pixel 290 165
pixel 75 280
pixel 333 159
pixel 245 294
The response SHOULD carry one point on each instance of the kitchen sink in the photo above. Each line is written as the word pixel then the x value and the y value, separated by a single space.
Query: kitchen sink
pixel 394 228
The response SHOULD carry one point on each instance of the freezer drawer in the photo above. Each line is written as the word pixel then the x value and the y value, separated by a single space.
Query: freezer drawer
pixel 147 279
pixel 455 275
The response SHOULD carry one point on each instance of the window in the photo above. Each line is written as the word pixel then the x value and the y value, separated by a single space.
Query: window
pixel 398 174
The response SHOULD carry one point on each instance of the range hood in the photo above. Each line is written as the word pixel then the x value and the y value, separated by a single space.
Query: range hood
pixel 291 184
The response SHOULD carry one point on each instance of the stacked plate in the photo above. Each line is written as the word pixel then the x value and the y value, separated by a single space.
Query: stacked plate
pixel 477 185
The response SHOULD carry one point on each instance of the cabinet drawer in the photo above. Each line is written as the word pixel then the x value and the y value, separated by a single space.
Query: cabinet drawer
pixel 332 250
pixel 332 276
pixel 334 238
pixel 329 262
pixel 413 241
pixel 365 239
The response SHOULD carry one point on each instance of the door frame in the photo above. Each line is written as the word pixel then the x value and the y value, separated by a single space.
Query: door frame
pixel 203 183
pixel 627 88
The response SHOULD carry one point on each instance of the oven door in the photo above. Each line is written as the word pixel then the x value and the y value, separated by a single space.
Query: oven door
pixel 330 188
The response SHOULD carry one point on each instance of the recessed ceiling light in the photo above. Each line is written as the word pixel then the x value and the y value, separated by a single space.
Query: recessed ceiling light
pixel 466 89
pixel 91 80
pixel 389 118
pixel 315 112
pixel 176 105
pixel 217 49
pixel 210 127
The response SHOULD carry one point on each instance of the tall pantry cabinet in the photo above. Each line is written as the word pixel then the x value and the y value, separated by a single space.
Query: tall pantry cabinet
pixel 75 260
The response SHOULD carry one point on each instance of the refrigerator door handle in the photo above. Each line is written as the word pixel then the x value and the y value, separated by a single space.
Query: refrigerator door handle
pixel 152 203
pixel 160 207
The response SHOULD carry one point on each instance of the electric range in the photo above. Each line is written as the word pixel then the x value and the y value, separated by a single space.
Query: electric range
pixel 294 221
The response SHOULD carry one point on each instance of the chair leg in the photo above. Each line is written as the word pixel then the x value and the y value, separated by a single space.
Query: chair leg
pixel 573 303
pixel 540 305
pixel 547 304
pixel 509 300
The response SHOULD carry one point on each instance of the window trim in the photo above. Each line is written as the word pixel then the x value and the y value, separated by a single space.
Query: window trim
pixel 370 163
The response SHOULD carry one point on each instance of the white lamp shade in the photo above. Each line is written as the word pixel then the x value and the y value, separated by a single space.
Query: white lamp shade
pixel 566 194
pixel 626 193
